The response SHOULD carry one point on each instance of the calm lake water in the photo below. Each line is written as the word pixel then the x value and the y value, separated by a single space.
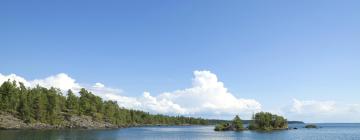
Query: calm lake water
pixel 326 132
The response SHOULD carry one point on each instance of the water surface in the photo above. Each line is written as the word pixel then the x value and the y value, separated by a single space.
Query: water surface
pixel 326 132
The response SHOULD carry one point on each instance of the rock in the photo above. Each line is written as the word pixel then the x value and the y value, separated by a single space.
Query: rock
pixel 9 121
pixel 88 123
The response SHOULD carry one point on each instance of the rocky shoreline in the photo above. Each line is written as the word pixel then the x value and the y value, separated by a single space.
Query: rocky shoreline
pixel 9 121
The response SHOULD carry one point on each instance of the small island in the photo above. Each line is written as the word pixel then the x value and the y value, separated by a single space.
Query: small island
pixel 263 121
pixel 310 126
pixel 235 125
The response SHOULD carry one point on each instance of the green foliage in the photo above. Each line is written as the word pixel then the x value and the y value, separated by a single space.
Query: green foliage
pixel 267 121
pixel 24 108
pixel 72 103
pixel 49 106
pixel 9 96
pixel 237 123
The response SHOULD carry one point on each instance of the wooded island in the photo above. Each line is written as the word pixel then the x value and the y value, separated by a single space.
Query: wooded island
pixel 260 121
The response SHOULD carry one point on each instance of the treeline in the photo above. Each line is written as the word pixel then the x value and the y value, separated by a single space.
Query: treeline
pixel 50 106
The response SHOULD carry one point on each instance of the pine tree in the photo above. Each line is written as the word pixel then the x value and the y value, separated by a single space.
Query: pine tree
pixel 72 103
pixel 24 109
pixel 237 123
pixel 38 105
pixel 53 107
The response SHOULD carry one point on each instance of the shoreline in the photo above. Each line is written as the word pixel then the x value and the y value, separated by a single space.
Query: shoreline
pixel 94 128
pixel 9 121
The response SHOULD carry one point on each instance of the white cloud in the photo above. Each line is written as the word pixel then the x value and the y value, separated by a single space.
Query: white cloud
pixel 109 93
pixel 13 77
pixel 61 81
pixel 158 105
pixel 310 107
pixel 209 96
pixel 322 111
pixel 101 89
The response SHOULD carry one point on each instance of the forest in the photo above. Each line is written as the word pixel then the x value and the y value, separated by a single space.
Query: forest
pixel 52 106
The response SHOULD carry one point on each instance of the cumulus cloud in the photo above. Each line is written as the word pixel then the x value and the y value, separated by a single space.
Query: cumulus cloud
pixel 155 104
pixel 13 77
pixel 322 111
pixel 311 106
pixel 61 81
pixel 207 96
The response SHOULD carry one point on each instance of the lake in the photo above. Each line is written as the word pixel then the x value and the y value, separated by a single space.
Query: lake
pixel 326 132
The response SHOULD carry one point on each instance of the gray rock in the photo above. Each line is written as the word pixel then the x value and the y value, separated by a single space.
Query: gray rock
pixel 9 121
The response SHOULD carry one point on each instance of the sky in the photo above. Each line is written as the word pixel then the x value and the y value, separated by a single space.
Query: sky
pixel 205 58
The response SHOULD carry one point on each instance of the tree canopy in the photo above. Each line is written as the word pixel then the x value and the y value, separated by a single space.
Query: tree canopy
pixel 235 125
pixel 260 121
pixel 50 106
pixel 267 121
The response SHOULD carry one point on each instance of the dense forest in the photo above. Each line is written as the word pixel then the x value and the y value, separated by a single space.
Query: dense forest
pixel 51 106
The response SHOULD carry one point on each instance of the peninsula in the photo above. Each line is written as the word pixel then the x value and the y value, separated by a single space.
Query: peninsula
pixel 42 108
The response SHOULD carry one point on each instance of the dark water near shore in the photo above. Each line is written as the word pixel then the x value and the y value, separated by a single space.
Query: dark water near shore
pixel 326 132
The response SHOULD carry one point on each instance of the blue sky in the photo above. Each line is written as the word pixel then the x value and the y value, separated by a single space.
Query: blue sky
pixel 269 51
